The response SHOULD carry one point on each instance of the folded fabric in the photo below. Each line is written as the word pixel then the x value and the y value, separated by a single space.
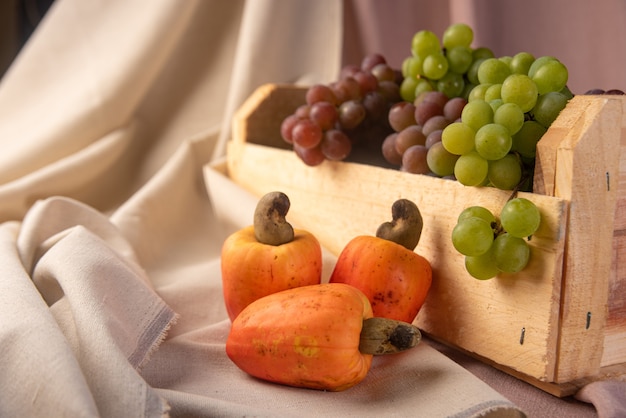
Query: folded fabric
pixel 609 397
pixel 83 313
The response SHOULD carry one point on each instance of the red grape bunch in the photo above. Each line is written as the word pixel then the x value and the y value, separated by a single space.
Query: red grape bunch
pixel 610 92
pixel 338 115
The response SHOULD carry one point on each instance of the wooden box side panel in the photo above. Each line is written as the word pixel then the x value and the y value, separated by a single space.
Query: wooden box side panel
pixel 615 334
pixel 258 120
pixel 585 156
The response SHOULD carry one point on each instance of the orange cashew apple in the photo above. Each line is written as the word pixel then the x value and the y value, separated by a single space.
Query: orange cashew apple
pixel 385 267
pixel 268 256
pixel 318 337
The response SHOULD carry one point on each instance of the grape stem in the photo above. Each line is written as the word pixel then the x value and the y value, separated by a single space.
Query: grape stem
pixel 270 225
pixel 405 228
pixel 526 174
pixel 497 229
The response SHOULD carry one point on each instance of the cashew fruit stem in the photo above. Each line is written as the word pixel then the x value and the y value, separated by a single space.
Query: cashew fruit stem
pixel 387 336
pixel 406 225
pixel 270 225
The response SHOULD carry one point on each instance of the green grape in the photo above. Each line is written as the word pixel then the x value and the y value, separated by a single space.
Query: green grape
pixel 506 59
pixel 451 84
pixel 423 85
pixel 493 141
pixel 440 161
pixel 407 89
pixel 412 67
pixel 457 34
pixel 477 113
pixel 472 71
pixel 493 92
pixel 495 105
pixel 551 76
pixel 472 236
pixel 435 66
pixel 493 71
pixel 467 89
pixel 525 140
pixel 505 173
pixel 521 90
pixel 482 53
pixel 521 62
pixel 478 92
pixel 482 267
pixel 548 107
pixel 510 116
pixel 478 212
pixel 459 58
pixel 520 217
pixel 458 138
pixel 538 63
pixel 471 169
pixel 510 253
pixel 425 43
pixel 567 93
pixel 404 68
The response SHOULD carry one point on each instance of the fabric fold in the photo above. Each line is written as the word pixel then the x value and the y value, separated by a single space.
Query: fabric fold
pixel 103 90
pixel 40 373
pixel 100 300
pixel 609 397
pixel 72 175
pixel 50 219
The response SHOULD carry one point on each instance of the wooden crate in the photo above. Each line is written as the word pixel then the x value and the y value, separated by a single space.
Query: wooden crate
pixel 558 324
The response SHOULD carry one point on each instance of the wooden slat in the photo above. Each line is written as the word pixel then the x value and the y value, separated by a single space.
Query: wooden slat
pixel 587 158
pixel 615 333
pixel 258 120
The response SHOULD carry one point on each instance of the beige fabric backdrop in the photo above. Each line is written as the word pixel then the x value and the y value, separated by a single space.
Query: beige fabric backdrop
pixel 111 219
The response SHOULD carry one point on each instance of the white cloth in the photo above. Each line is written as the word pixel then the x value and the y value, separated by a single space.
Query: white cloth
pixel 80 356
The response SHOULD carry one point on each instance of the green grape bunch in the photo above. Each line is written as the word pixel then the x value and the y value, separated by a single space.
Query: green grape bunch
pixel 440 65
pixel 507 113
pixel 492 245
pixel 510 102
